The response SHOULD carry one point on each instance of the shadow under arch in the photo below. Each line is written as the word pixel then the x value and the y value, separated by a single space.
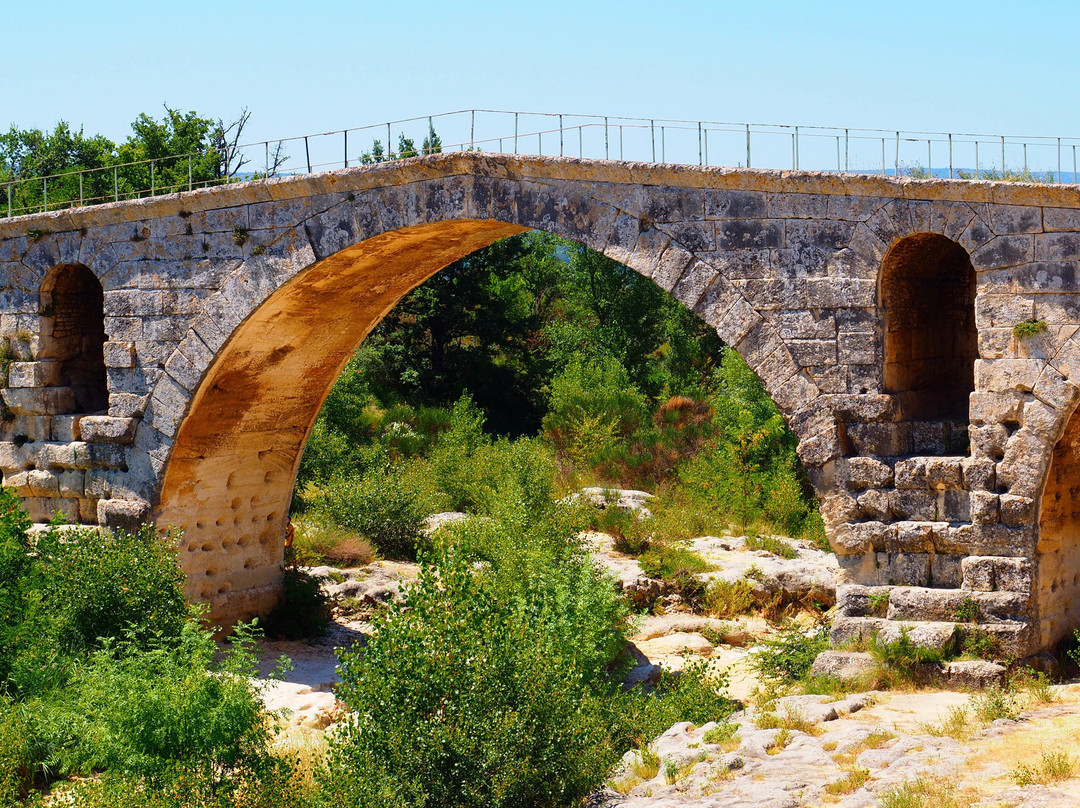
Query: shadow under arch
pixel 73 336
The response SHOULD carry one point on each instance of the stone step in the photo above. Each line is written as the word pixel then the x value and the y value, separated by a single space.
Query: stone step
pixel 1013 637
pixel 924 603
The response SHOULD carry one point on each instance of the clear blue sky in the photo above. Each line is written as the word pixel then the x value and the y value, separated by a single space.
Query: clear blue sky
pixel 314 66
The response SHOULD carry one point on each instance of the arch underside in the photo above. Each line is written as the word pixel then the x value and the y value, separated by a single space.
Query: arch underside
pixel 229 481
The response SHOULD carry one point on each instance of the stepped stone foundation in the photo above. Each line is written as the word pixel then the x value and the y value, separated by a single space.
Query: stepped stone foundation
pixel 171 355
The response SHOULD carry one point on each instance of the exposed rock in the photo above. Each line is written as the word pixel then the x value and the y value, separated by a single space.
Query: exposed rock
pixel 676 643
pixel 626 499
pixel 844 665
pixel 975 673
pixel 935 636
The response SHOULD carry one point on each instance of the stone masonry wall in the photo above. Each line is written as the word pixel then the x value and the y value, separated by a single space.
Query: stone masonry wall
pixel 229 313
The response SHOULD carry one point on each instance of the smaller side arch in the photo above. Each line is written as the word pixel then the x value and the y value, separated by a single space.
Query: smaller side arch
pixel 72 318
pixel 927 294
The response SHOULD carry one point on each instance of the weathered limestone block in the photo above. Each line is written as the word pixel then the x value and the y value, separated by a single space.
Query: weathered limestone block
pixel 868 472
pixel 119 354
pixel 848 630
pixel 839 508
pixel 991 573
pixel 877 504
pixel 128 405
pixel 71 483
pixel 859 538
pixel 1002 311
pixel 14 457
pixel 20 481
pixel 65 428
pixel 1017 511
pixel 844 665
pixel 887 569
pixel 855 600
pixel 936 636
pixel 980 474
pixel 43 509
pixel 919 505
pixel 911 473
pixel 42 483
pixel 944 472
pixel 984 507
pixel 912 537
pixel 1020 469
pixel 920 603
pixel 107 429
pixel 975 674
pixel 945 570
pixel 39 400
pixel 953 506
pixel 1004 375
pixel 122 514
pixel 43 373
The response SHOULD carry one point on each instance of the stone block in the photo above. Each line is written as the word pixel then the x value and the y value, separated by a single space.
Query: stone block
pixel 120 514
pixel 42 483
pixel 868 472
pixel 39 400
pixel 72 483
pixel 920 603
pixel 911 473
pixel 877 504
pixel 988 441
pixel 859 538
pixel 935 636
pixel 945 570
pixel 1004 375
pixel 849 630
pixel 917 505
pixel 44 373
pixel 953 506
pixel 16 458
pixel 944 472
pixel 843 665
pixel 975 674
pixel 128 405
pixel 912 537
pixel 980 474
pixel 18 480
pixel 65 428
pixel 983 507
pixel 119 354
pixel 108 429
pixel 1017 511
pixel 992 573
pixel 855 600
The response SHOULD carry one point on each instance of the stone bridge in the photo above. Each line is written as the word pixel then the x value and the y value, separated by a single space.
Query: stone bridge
pixel 171 354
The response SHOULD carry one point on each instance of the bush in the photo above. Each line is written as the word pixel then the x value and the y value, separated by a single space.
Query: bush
pixel 789 656
pixel 383 505
pixel 493 699
pixel 725 598
pixel 671 561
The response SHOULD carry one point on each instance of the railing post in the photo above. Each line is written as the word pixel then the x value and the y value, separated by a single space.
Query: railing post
pixel 607 147
pixel 929 159
pixel 81 181
pixel 580 142
pixel 472 130
pixel 976 158
pixel 620 142
pixel 700 154
pixel 663 145
pixel 793 150
pixel 561 150
pixel 652 130
pixel 515 133
pixel 748 145
pixel 838 163
pixel 1059 160
pixel 1025 159
pixel 796 147
pixel 1003 156
pixel 9 191
pixel 307 153
pixel 896 168
pixel 189 172
pixel 847 150
pixel 345 146
pixel 115 185
pixel 706 147
pixel 153 179
pixel 950 156
pixel 883 173
pixel 45 192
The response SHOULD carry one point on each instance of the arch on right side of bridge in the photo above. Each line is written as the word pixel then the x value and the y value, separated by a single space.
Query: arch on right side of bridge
pixel 927 295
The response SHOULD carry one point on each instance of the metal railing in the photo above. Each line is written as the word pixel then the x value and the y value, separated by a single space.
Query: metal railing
pixel 704 143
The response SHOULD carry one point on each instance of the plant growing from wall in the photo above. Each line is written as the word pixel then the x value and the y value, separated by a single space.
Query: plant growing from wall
pixel 1029 328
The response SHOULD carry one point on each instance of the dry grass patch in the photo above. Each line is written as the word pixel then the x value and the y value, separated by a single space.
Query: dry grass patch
pixel 1050 768
pixel 920 793
pixel 852 781
pixel 875 740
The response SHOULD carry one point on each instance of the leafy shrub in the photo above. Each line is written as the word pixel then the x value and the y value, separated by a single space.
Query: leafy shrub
pixel 142 711
pixel 492 698
pixel 16 754
pixel 592 406
pixel 789 655
pixel 904 657
pixel 383 505
pixel 303 609
pixel 320 542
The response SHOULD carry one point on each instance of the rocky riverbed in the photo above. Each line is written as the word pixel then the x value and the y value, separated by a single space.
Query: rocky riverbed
pixel 799 751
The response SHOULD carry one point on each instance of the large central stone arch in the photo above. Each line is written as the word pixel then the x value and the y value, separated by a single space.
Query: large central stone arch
pixel 227 427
